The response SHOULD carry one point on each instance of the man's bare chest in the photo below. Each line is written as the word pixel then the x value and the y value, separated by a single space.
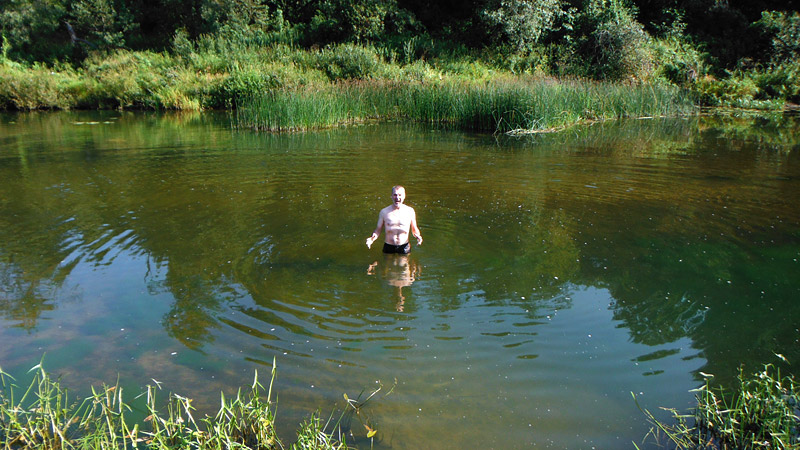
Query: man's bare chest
pixel 398 219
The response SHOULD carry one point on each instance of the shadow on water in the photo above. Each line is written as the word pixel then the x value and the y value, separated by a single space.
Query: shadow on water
pixel 242 246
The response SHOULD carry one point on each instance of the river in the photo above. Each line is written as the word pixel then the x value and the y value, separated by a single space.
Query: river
pixel 559 272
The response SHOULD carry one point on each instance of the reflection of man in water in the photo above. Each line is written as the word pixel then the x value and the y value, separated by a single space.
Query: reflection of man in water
pixel 398 271
pixel 397 220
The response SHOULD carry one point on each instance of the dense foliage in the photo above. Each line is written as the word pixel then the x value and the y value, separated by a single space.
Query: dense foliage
pixel 742 53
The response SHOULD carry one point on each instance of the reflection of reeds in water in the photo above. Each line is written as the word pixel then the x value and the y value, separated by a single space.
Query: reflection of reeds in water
pixel 44 417
pixel 503 106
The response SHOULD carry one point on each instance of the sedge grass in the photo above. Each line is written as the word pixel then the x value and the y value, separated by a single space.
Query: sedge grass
pixel 501 106
pixel 45 417
pixel 763 412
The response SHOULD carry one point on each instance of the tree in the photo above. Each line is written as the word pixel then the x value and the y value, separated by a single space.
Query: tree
pixel 33 29
pixel 524 22
pixel 610 43
pixel 101 22
pixel 349 20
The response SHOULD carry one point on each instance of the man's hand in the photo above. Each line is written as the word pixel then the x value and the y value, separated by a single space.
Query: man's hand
pixel 419 239
pixel 370 240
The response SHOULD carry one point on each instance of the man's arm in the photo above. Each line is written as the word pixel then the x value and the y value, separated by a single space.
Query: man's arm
pixel 377 231
pixel 414 228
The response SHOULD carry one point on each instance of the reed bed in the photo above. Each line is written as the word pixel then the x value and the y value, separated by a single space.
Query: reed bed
pixel 44 417
pixel 500 106
pixel 763 412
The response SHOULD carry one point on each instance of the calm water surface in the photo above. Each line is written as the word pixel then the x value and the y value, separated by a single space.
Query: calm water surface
pixel 559 273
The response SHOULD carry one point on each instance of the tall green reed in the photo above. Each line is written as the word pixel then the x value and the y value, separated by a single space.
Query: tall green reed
pixel 44 417
pixel 503 106
pixel 763 412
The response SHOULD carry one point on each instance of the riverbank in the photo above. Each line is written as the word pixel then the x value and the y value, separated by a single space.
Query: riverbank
pixel 283 88
pixel 494 57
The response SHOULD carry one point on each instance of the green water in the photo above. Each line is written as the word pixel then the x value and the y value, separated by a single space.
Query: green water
pixel 559 273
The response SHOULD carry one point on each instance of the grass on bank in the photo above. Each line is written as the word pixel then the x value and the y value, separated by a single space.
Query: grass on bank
pixel 45 417
pixel 513 104
pixel 763 412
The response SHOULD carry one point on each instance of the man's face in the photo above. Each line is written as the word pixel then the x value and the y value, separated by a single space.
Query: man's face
pixel 398 196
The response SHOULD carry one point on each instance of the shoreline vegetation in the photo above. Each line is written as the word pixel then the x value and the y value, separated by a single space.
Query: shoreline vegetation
pixel 761 412
pixel 513 106
pixel 510 66
pixel 44 416
pixel 285 89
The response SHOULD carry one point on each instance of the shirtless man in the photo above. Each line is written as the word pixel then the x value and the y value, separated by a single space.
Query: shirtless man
pixel 397 220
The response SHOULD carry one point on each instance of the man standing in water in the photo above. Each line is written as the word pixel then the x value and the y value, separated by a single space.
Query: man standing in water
pixel 397 220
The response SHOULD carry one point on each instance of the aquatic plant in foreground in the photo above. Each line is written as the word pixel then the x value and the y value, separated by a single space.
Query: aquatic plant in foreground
pixel 762 413
pixel 44 417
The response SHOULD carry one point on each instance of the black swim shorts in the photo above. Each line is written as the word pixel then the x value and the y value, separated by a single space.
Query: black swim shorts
pixel 402 249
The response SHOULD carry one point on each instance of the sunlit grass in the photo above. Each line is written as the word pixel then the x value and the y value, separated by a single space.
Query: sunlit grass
pixel 504 105
pixel 762 412
pixel 43 416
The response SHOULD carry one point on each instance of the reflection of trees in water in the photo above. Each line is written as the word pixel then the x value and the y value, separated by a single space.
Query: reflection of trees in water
pixel 736 302
pixel 23 298
pixel 709 257
pixel 35 244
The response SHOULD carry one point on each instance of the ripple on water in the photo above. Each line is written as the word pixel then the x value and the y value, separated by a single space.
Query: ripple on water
pixel 539 301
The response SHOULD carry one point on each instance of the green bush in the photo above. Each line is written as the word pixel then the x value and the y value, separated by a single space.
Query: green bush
pixel 522 22
pixel 348 20
pixel 768 89
pixel 611 44
pixel 239 84
pixel 127 79
pixel 466 68
pixel 781 82
pixel 37 87
pixel 781 78
pixel 710 91
pixel 538 61
pixel 419 71
pixel 783 31
pixel 678 60
pixel 349 61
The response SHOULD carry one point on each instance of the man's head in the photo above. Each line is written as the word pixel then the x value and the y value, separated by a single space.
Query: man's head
pixel 398 194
